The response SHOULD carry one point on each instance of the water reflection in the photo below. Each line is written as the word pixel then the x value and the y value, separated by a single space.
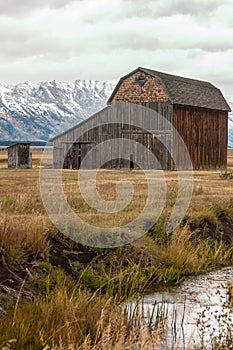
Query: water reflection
pixel 196 312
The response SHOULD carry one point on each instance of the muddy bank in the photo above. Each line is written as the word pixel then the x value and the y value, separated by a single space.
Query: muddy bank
pixel 62 253
pixel 24 278
pixel 222 229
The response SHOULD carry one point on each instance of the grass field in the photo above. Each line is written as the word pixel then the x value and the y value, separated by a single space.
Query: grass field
pixel 20 195
pixel 44 277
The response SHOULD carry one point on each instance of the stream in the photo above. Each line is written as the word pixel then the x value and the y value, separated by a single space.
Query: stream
pixel 196 312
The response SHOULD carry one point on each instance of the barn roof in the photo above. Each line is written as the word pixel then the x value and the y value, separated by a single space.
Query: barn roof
pixel 185 91
pixel 79 124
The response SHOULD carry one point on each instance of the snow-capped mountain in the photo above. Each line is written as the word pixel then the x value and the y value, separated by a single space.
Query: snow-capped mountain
pixel 38 111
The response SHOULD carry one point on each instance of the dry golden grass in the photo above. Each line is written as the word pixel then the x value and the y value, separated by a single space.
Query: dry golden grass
pixel 19 241
pixel 20 198
pixel 22 211
pixel 184 252
pixel 21 207
pixel 76 322
pixel 230 158
pixel 83 321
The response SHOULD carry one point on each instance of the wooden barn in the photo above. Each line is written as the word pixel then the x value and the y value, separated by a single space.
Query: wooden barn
pixel 196 110
pixel 19 155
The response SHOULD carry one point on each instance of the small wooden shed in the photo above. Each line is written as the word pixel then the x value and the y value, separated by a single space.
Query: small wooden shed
pixel 19 155
pixel 196 109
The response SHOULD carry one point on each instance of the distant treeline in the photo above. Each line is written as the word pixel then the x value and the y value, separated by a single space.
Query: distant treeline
pixel 33 143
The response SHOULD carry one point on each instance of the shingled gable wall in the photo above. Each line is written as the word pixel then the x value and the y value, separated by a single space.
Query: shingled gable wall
pixel 130 91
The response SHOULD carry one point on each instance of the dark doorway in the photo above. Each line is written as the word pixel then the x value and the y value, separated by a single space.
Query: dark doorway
pixel 79 158
pixel 131 162
pixel 77 153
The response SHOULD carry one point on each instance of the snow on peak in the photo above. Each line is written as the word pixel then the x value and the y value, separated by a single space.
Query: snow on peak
pixel 48 107
pixel 40 110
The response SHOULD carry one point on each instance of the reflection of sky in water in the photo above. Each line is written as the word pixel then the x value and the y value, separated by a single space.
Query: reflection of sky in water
pixel 203 298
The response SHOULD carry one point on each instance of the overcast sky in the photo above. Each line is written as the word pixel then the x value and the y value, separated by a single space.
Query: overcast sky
pixel 105 39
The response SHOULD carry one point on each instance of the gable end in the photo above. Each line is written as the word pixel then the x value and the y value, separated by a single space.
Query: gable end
pixel 139 87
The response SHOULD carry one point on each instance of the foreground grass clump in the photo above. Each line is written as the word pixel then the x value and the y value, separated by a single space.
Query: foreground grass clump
pixel 201 243
pixel 73 319
pixel 188 255
pixel 17 243
pixel 48 320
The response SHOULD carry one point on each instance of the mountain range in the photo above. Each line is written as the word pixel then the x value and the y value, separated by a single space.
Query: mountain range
pixel 36 112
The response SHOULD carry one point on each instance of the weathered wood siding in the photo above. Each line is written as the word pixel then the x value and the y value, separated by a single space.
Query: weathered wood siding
pixel 24 156
pixel 117 121
pixel 204 132
pixel 19 156
pixel 13 157
pixel 130 91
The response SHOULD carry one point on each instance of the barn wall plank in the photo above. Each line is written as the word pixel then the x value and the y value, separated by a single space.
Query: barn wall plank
pixel 204 132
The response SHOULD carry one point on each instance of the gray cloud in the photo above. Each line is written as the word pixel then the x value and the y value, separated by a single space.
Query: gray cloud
pixel 193 8
pixel 70 39
pixel 163 8
pixel 16 7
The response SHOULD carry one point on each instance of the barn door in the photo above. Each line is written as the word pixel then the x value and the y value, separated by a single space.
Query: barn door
pixel 158 143
pixel 84 149
pixel 76 154
pixel 161 148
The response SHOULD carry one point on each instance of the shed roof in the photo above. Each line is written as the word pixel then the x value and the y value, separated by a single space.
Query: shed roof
pixel 18 143
pixel 185 91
